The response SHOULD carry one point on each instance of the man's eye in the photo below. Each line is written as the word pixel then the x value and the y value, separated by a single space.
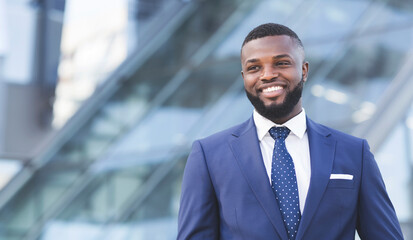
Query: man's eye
pixel 252 68
pixel 283 63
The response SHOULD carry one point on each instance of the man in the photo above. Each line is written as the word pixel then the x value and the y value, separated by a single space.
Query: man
pixel 280 175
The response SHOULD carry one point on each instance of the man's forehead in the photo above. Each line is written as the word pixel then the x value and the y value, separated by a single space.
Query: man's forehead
pixel 282 44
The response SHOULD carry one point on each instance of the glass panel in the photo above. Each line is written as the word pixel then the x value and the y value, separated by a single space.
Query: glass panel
pixel 339 17
pixel 356 81
pixel 39 194
pixel 103 198
pixel 16 47
pixel 264 11
pixel 396 13
pixel 96 40
pixel 395 156
pixel 160 206
pixel 8 169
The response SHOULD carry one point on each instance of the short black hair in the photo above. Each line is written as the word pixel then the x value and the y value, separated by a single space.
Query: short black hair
pixel 271 29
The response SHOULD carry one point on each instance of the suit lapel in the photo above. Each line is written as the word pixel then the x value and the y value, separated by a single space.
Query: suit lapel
pixel 322 150
pixel 246 149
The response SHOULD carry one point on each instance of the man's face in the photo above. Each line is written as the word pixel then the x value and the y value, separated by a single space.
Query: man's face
pixel 274 71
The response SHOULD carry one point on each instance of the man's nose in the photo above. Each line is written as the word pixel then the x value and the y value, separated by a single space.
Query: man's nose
pixel 269 73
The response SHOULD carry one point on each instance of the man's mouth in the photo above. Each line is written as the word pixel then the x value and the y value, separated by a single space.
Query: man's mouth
pixel 272 89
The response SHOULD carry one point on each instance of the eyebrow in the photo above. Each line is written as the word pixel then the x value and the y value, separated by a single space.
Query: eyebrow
pixel 281 56
pixel 254 60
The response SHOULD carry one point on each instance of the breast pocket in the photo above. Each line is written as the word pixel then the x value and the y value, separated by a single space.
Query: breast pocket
pixel 340 183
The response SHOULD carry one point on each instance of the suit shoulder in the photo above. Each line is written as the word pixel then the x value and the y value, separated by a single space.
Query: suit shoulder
pixel 339 135
pixel 346 137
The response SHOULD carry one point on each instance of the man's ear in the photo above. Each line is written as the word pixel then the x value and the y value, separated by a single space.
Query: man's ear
pixel 242 74
pixel 305 71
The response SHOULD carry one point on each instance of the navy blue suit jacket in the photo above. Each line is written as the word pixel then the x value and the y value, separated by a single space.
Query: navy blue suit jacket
pixel 226 193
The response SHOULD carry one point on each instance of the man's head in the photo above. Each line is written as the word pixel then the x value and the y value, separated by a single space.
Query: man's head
pixel 274 71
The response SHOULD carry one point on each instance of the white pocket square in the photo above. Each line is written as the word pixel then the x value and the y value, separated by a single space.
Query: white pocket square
pixel 341 176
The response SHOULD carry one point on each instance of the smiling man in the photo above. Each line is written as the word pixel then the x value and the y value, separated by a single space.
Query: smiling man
pixel 274 73
pixel 279 175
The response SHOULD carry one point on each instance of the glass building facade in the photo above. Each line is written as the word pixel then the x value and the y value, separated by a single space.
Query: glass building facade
pixel 114 169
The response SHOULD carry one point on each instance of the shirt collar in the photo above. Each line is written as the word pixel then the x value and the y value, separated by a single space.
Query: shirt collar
pixel 297 124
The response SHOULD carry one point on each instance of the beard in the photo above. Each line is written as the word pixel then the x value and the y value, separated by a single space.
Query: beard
pixel 277 111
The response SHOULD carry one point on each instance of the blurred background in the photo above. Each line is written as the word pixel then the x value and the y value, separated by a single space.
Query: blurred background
pixel 100 101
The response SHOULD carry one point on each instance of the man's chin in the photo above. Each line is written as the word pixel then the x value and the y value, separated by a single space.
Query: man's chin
pixel 272 103
pixel 273 110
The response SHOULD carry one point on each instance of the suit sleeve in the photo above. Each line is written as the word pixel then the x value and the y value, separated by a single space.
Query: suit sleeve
pixel 198 213
pixel 376 216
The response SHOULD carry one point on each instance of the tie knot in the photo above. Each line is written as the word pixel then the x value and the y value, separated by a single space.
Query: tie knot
pixel 279 132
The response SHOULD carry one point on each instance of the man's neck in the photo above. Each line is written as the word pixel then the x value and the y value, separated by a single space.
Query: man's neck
pixel 297 110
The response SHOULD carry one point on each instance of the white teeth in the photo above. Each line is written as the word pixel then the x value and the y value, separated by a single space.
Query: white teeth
pixel 271 89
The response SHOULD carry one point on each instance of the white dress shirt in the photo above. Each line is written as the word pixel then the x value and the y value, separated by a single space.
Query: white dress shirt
pixel 297 146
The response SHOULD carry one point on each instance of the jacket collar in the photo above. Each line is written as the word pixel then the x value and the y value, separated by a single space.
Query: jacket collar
pixel 246 149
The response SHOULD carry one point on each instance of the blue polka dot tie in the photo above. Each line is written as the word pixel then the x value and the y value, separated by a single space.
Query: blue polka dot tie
pixel 284 182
